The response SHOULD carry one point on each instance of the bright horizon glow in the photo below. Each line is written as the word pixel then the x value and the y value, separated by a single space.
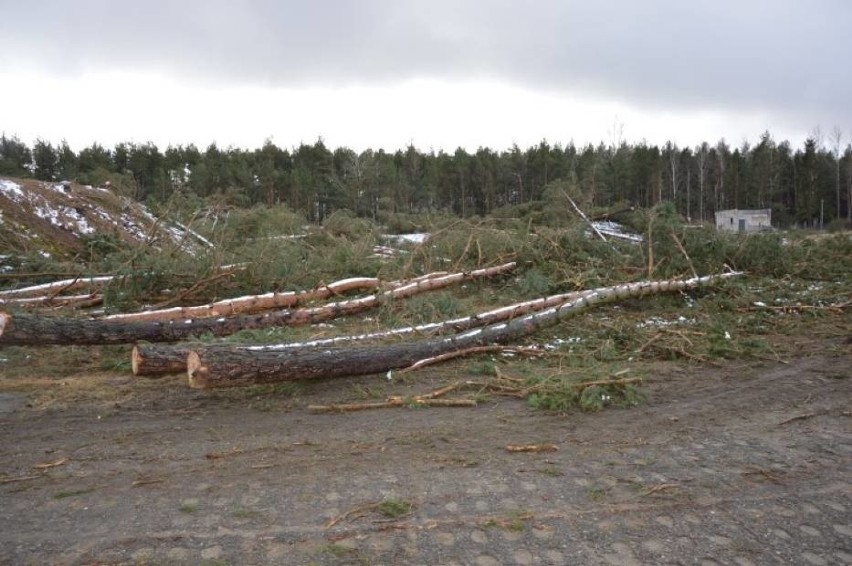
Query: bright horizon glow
pixel 431 114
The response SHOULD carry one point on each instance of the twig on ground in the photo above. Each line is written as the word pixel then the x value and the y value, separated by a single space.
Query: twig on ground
pixel 393 402
pixel 468 352
pixel 798 418
pixel 358 511
pixel 531 448
pixel 140 482
pixel 658 488
pixel 53 464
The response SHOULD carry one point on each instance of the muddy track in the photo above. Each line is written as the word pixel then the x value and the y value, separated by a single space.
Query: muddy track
pixel 744 464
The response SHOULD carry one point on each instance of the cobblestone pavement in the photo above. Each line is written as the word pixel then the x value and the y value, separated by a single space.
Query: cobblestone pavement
pixel 748 464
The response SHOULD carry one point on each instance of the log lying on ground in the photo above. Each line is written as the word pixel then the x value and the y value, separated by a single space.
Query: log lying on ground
pixel 267 301
pixel 152 360
pixel 89 300
pixel 251 303
pixel 35 330
pixel 234 367
pixel 56 287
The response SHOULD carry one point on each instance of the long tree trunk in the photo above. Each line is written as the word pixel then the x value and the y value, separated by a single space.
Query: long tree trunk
pixel 235 367
pixel 153 360
pixel 56 287
pixel 36 330
pixel 251 303
pixel 55 301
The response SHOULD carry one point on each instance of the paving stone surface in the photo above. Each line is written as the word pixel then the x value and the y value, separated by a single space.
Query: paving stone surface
pixel 745 465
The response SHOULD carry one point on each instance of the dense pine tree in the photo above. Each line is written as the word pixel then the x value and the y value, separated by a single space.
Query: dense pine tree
pixel 802 186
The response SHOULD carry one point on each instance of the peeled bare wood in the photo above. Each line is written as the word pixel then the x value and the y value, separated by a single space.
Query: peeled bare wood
pixel 455 325
pixel 267 301
pixel 154 361
pixel 28 329
pixel 228 368
pixel 251 303
pixel 54 301
pixel 56 286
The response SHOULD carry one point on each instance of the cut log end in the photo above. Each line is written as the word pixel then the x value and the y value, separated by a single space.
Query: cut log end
pixel 195 371
pixel 135 360
pixel 152 361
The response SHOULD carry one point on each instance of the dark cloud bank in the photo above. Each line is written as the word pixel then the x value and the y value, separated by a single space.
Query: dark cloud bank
pixel 786 58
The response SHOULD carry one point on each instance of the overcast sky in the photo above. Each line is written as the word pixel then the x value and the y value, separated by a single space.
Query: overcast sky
pixel 438 74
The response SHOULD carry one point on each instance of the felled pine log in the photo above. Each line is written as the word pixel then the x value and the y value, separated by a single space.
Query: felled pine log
pixel 252 303
pixel 56 287
pixel 236 366
pixel 45 301
pixel 156 360
pixel 36 330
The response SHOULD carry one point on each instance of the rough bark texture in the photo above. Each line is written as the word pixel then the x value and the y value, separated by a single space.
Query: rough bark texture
pixel 36 330
pixel 252 303
pixel 154 361
pixel 228 368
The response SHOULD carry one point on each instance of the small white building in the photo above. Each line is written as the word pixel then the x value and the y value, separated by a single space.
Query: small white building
pixel 744 220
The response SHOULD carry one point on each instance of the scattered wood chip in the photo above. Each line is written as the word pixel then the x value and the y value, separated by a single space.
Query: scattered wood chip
pixel 532 447
pixel 47 465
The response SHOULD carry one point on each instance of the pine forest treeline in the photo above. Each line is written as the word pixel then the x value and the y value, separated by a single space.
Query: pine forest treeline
pixel 800 185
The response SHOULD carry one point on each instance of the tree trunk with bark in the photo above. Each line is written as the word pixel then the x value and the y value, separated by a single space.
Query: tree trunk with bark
pixel 154 361
pixel 241 366
pixel 252 303
pixel 36 330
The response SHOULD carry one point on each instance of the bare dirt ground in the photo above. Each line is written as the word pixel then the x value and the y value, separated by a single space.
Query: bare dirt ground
pixel 745 463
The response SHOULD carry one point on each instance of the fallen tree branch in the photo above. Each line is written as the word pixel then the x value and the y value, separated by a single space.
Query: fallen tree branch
pixel 234 367
pixel 392 402
pixel 584 217
pixel 28 329
pixel 683 252
pixel 425 400
pixel 469 352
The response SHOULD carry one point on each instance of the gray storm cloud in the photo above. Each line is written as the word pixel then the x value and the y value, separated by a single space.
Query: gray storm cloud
pixel 785 57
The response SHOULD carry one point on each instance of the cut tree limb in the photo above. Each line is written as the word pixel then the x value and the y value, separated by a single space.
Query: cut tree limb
pixel 36 330
pixel 228 368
